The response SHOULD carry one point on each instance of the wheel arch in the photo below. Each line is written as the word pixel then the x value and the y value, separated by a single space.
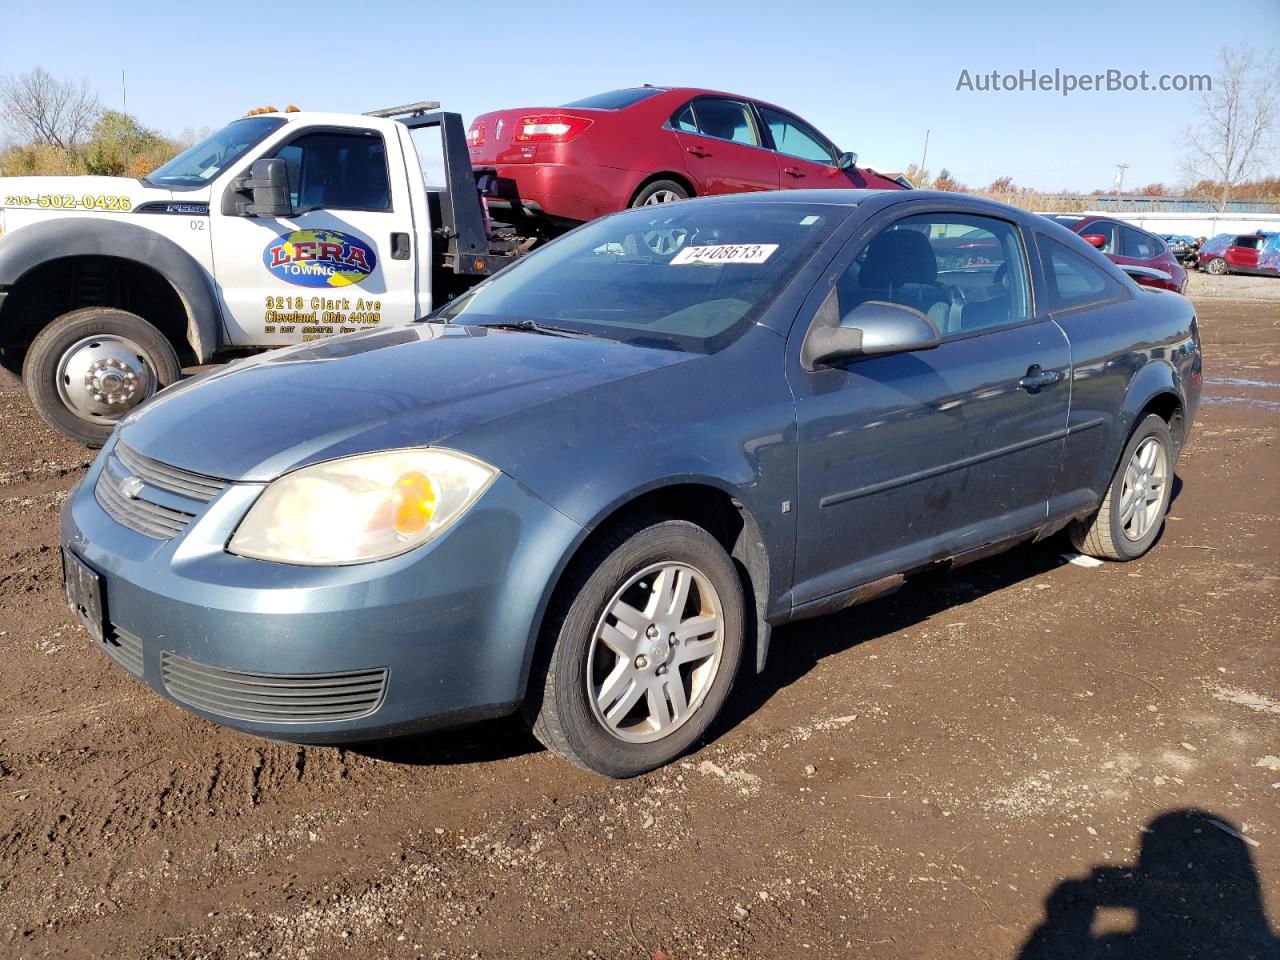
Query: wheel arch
pixel 55 248
pixel 679 178
pixel 704 501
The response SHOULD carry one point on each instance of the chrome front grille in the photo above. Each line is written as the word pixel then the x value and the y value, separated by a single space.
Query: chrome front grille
pixel 122 492
pixel 147 518
pixel 273 697
pixel 154 473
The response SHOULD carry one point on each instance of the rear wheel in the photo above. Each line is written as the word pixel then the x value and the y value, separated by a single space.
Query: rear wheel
pixel 1217 266
pixel 90 367
pixel 1133 511
pixel 643 648
pixel 660 191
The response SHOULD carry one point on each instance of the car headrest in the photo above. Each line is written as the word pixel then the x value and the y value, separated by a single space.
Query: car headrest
pixel 896 257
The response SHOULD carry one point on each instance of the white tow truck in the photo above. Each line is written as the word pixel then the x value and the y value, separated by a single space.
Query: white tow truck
pixel 279 228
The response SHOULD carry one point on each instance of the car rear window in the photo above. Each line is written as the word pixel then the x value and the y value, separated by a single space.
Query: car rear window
pixel 679 276
pixel 615 99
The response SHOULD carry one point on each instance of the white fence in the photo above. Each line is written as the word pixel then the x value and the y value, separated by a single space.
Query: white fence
pixel 1197 224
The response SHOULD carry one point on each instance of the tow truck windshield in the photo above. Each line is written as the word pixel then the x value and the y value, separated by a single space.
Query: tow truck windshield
pixel 197 165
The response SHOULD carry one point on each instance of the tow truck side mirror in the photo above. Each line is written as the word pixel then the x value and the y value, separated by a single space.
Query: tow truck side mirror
pixel 268 182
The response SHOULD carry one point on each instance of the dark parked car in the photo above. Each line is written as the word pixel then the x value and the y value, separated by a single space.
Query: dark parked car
pixel 645 145
pixel 1129 246
pixel 1255 253
pixel 590 488
pixel 1183 247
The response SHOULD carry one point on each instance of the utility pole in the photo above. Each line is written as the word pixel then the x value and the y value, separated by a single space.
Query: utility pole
pixel 1120 169
pixel 925 152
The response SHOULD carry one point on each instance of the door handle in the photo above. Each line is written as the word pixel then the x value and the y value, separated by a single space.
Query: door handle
pixel 793 172
pixel 1038 377
pixel 399 246
pixel 698 151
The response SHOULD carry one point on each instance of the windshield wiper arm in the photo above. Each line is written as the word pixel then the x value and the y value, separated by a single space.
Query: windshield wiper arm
pixel 533 326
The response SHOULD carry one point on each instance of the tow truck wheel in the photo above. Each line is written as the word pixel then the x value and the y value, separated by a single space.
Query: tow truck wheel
pixel 90 367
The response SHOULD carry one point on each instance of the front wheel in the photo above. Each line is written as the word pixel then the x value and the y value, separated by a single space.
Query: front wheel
pixel 90 367
pixel 643 643
pixel 1217 266
pixel 1133 510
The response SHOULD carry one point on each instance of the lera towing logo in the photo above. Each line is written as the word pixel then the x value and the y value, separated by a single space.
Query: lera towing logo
pixel 319 258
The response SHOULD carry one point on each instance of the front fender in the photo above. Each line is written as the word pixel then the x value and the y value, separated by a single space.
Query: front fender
pixel 32 246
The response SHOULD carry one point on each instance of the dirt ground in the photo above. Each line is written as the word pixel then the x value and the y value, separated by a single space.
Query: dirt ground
pixel 1024 759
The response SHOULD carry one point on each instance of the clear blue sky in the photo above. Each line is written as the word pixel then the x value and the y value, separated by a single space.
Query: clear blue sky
pixel 873 76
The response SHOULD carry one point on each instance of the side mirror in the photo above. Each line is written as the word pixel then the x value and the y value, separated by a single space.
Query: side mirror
pixel 847 161
pixel 1095 240
pixel 869 329
pixel 268 182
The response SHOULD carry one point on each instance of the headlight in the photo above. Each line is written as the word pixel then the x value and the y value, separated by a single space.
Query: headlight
pixel 362 508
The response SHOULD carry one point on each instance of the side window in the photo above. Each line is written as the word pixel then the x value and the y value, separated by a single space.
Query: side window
pixel 684 120
pixel 1139 245
pixel 1105 229
pixel 966 273
pixel 1073 280
pixel 793 138
pixel 722 119
pixel 337 171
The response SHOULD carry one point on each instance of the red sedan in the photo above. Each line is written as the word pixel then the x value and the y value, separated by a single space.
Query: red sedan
pixel 1128 246
pixel 647 145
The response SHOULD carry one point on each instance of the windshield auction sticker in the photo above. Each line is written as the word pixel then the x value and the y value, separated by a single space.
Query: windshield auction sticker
pixel 725 253
pixel 319 258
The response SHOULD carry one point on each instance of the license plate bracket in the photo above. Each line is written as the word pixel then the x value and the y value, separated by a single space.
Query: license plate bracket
pixel 86 594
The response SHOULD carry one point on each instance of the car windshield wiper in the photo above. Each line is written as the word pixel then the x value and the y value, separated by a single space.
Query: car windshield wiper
pixel 548 330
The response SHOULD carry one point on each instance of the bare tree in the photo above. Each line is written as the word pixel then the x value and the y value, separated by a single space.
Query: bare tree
pixel 1239 118
pixel 41 109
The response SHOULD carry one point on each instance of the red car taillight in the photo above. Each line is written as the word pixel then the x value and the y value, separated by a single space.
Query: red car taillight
pixel 550 128
pixel 475 135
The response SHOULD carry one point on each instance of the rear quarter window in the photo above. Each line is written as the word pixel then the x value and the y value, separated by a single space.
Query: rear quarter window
pixel 1072 280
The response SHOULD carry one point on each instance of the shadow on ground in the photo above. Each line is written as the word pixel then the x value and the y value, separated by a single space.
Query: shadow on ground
pixel 1194 893
pixel 795 650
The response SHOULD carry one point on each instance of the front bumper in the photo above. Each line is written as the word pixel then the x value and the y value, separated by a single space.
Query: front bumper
pixel 439 636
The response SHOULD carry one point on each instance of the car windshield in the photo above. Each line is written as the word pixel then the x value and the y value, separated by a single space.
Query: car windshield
pixel 614 99
pixel 198 165
pixel 686 276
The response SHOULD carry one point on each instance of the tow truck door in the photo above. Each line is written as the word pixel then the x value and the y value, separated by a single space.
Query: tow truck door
pixel 343 261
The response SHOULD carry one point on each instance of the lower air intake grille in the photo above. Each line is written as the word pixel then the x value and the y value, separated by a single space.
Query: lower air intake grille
pixel 273 697
pixel 125 649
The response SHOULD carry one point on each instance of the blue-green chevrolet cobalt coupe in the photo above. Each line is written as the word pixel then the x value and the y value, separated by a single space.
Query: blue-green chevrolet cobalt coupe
pixel 588 489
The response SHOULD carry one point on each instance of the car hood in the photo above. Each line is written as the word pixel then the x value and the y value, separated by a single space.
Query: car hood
pixel 411 385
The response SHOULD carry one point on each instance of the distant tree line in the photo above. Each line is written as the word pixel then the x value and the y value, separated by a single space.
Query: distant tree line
pixel 54 126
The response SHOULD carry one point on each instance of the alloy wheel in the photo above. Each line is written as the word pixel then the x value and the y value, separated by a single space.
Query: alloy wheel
pixel 655 652
pixel 1142 492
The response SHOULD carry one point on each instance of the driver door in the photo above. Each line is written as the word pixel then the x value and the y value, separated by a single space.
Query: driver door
pixel 912 457
pixel 340 263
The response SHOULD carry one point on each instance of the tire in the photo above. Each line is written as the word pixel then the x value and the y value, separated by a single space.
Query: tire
pixel 660 191
pixel 1217 266
pixel 1112 533
pixel 116 351
pixel 634 562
